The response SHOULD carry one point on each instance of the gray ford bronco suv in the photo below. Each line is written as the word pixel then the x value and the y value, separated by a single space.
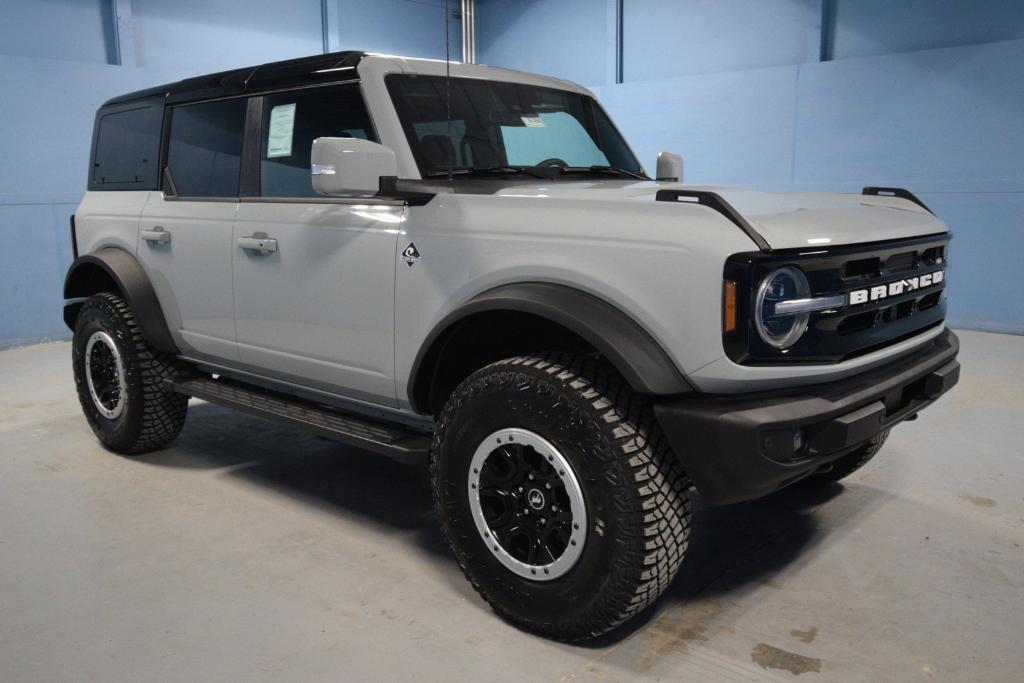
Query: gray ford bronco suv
pixel 468 266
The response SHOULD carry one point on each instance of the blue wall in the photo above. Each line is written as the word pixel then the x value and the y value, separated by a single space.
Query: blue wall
pixel 924 94
pixel 563 38
pixel 866 28
pixel 80 30
pixel 669 39
pixel 927 94
pixel 59 59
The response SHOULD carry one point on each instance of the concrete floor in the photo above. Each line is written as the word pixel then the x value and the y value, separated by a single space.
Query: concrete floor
pixel 248 552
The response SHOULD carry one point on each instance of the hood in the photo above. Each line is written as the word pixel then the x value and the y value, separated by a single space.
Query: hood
pixel 785 220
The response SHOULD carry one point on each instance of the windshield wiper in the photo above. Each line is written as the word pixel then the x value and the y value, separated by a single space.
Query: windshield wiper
pixel 610 170
pixel 542 172
pixel 502 170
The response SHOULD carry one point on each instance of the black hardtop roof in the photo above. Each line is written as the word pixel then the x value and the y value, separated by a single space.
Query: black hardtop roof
pixel 270 76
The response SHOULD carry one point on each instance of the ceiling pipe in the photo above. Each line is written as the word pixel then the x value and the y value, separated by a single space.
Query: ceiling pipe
pixel 468 31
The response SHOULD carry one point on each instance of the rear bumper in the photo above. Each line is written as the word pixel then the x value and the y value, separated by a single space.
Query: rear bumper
pixel 742 447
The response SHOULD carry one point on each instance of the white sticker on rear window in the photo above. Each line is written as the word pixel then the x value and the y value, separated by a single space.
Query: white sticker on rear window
pixel 279 136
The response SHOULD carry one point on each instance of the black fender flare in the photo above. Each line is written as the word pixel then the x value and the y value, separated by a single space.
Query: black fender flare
pixel 129 277
pixel 617 336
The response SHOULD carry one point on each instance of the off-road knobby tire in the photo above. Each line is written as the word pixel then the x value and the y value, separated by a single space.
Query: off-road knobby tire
pixel 849 463
pixel 153 414
pixel 636 493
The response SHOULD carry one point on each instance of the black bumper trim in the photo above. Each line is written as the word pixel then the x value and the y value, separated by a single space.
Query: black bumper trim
pixel 742 447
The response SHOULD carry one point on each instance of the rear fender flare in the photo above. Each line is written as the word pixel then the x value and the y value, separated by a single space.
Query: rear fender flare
pixel 91 273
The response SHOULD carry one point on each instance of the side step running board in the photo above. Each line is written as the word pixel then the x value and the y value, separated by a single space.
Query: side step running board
pixel 356 430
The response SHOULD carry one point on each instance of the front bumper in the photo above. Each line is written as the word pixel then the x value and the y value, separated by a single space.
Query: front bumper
pixel 742 447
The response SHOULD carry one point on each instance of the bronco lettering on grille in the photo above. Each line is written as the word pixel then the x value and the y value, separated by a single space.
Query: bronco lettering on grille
pixel 895 288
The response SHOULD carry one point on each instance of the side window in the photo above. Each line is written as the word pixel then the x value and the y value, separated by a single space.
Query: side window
pixel 127 147
pixel 292 120
pixel 205 149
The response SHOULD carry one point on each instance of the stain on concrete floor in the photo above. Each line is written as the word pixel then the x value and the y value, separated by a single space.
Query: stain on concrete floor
pixel 807 636
pixel 671 634
pixel 770 657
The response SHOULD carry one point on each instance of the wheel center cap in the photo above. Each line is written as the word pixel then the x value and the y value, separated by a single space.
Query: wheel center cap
pixel 535 498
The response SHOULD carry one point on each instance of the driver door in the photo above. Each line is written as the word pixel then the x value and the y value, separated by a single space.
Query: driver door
pixel 318 308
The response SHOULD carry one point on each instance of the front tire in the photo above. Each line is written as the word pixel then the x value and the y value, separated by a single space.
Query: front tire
pixel 120 379
pixel 562 502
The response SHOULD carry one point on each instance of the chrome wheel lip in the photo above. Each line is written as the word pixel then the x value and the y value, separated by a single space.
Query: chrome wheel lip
pixel 574 549
pixel 101 337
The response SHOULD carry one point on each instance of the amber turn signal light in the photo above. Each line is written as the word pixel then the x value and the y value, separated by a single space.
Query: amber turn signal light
pixel 729 306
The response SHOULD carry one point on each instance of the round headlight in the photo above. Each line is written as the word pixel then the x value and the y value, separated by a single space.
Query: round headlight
pixel 783 284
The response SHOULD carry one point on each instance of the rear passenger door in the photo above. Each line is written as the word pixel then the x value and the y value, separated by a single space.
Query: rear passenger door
pixel 318 309
pixel 185 235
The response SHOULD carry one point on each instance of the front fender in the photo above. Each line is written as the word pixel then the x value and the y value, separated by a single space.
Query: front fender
pixel 619 338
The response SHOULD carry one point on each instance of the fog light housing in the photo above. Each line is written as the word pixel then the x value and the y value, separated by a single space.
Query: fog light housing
pixel 784 445
pixel 781 330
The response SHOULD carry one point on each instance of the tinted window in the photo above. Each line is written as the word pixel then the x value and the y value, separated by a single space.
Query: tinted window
pixel 495 123
pixel 205 150
pixel 127 145
pixel 291 121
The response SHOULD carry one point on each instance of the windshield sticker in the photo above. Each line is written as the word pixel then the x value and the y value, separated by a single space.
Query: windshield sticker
pixel 533 121
pixel 282 125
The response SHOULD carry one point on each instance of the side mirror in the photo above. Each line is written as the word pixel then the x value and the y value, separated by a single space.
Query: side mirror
pixel 670 167
pixel 350 166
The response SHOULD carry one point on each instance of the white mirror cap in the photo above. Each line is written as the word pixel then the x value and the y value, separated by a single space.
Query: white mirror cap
pixel 670 167
pixel 350 166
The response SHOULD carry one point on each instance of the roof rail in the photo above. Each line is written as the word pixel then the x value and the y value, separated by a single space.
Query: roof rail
pixel 291 72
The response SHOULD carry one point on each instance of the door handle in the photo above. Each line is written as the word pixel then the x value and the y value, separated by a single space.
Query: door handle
pixel 156 236
pixel 258 242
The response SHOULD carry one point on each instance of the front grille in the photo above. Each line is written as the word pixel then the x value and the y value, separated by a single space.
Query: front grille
pixel 860 268
pixel 850 330
pixel 898 263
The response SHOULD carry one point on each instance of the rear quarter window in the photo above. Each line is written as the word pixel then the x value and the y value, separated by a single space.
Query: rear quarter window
pixel 127 148
pixel 204 152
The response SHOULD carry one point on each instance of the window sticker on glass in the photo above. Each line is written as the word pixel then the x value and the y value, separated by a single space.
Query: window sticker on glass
pixel 533 121
pixel 282 125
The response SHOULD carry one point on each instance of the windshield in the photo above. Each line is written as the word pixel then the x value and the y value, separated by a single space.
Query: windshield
pixel 498 126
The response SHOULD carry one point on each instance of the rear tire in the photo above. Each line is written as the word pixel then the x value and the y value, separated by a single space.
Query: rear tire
pixel 575 411
pixel 120 379
pixel 849 463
